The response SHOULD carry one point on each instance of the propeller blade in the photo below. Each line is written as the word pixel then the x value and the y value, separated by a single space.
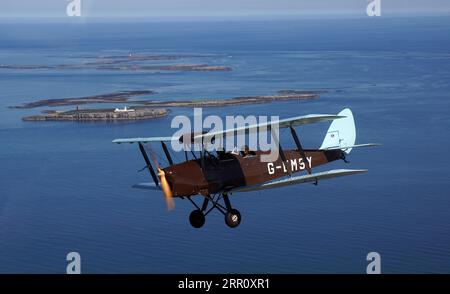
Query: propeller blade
pixel 165 187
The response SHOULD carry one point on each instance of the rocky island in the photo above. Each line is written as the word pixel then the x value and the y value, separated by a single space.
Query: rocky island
pixel 283 95
pixel 125 114
pixel 139 62
pixel 116 97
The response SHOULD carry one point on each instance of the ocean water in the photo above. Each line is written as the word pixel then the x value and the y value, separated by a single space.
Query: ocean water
pixel 65 187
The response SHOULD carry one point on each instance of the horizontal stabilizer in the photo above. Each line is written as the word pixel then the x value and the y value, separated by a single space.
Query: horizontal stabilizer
pixel 301 179
pixel 352 146
pixel 147 186
pixel 143 140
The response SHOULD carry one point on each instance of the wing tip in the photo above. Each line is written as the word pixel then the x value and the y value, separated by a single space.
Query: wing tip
pixel 146 186
pixel 120 141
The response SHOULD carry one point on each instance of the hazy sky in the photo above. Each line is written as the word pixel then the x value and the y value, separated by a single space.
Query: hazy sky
pixel 216 8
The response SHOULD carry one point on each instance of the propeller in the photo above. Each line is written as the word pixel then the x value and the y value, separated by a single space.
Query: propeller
pixel 167 192
pixel 166 189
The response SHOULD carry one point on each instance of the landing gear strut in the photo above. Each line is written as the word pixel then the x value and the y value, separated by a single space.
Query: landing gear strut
pixel 197 216
pixel 232 216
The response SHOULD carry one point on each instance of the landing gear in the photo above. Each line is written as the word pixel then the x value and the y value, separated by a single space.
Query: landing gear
pixel 197 216
pixel 233 218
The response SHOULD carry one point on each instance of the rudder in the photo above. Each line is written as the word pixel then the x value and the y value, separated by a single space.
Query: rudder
pixel 342 133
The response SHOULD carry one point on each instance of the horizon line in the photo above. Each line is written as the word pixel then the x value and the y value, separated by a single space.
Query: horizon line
pixel 217 18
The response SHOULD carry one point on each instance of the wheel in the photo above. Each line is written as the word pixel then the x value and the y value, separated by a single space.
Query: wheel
pixel 197 218
pixel 233 218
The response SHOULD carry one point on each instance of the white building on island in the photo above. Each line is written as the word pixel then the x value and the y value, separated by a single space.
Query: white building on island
pixel 125 109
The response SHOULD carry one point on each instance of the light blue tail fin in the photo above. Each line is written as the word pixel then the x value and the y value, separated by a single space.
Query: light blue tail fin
pixel 342 134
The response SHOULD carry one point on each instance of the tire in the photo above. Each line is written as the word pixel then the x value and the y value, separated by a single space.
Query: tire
pixel 233 218
pixel 197 219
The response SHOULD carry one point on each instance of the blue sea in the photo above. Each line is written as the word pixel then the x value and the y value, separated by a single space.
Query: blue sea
pixel 65 187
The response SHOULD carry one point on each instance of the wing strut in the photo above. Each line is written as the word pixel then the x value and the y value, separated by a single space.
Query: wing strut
pixel 149 165
pixel 277 142
pixel 300 149
pixel 166 151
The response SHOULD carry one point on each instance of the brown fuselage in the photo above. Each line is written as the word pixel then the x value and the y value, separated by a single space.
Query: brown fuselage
pixel 211 175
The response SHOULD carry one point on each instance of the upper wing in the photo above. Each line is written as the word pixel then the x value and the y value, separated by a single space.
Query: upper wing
pixel 144 140
pixel 301 179
pixel 283 123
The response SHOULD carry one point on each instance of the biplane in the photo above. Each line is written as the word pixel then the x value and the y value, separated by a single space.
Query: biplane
pixel 215 176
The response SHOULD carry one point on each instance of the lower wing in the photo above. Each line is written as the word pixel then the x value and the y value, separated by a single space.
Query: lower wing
pixel 277 183
pixel 301 179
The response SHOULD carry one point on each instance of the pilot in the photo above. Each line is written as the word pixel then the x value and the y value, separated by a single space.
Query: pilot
pixel 246 152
